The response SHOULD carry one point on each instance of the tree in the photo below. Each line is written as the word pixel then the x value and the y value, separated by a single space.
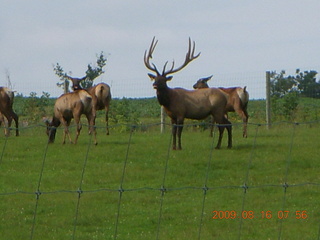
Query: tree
pixel 281 85
pixel 284 94
pixel 63 77
pixel 308 84
pixel 303 82
pixel 91 73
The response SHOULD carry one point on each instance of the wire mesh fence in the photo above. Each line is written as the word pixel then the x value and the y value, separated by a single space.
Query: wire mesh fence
pixel 133 186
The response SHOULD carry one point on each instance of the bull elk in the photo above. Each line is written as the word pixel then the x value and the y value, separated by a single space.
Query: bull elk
pixel 6 103
pixel 180 103
pixel 68 106
pixel 237 100
pixel 101 91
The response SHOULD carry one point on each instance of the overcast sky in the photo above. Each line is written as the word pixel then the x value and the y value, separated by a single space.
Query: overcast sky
pixel 238 41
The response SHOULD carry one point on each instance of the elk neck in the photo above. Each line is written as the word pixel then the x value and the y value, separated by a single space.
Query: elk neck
pixel 163 95
pixel 55 122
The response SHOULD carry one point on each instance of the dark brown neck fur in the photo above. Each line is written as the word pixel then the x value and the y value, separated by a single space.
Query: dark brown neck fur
pixel 163 97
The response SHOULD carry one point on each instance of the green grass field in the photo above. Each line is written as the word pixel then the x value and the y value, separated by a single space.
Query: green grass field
pixel 142 162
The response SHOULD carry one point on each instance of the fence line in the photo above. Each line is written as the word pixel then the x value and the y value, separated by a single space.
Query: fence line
pixel 163 188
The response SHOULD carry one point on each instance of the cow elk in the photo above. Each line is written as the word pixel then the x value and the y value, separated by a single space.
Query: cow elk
pixel 72 105
pixel 237 100
pixel 180 103
pixel 6 111
pixel 101 91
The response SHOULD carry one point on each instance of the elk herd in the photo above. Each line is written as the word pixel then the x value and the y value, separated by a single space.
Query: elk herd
pixel 179 103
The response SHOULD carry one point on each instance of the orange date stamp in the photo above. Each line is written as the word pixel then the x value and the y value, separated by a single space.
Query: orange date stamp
pixel 262 214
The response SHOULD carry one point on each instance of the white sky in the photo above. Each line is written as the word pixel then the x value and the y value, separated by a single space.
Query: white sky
pixel 238 40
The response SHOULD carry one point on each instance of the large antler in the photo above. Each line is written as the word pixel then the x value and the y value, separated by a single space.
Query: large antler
pixel 189 57
pixel 148 56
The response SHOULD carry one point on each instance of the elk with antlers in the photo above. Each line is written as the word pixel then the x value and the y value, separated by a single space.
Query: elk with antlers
pixel 6 103
pixel 237 100
pixel 180 103
pixel 72 105
pixel 102 93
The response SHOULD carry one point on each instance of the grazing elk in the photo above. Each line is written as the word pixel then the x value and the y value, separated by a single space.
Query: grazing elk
pixel 6 103
pixel 180 103
pixel 237 100
pixel 101 91
pixel 72 105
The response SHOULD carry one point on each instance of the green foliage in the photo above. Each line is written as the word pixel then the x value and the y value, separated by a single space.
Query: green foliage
pixel 63 77
pixel 92 73
pixel 304 83
pixel 127 112
pixel 33 108
pixel 285 94
pixel 308 84
pixel 290 105
pixel 281 85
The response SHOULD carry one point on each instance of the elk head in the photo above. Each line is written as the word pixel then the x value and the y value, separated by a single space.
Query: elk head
pixel 160 79
pixel 76 82
pixel 202 83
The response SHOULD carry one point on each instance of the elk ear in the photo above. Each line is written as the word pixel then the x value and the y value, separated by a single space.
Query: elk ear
pixel 151 76
pixel 169 78
pixel 46 120
pixel 208 78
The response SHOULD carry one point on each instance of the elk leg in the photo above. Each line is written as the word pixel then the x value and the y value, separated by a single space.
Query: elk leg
pixel 4 123
pixel 229 129
pixel 16 120
pixel 244 116
pixel 92 127
pixel 211 126
pixel 66 130
pixel 174 134
pixel 79 126
pixel 221 130
pixel 6 127
pixel 179 132
pixel 225 124
pixel 245 123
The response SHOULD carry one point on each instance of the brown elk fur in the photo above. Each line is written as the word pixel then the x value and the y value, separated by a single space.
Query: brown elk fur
pixel 180 103
pixel 72 105
pixel 103 95
pixel 101 91
pixel 237 100
pixel 6 103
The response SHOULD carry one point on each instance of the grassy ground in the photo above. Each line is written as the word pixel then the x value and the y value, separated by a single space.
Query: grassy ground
pixel 263 162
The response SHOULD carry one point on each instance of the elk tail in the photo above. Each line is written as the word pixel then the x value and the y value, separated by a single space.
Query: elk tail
pixel 243 95
pixel 100 92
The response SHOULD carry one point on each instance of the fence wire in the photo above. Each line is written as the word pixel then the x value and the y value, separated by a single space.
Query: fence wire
pixel 163 188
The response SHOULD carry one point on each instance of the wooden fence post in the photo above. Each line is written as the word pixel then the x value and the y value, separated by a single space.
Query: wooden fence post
pixel 162 120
